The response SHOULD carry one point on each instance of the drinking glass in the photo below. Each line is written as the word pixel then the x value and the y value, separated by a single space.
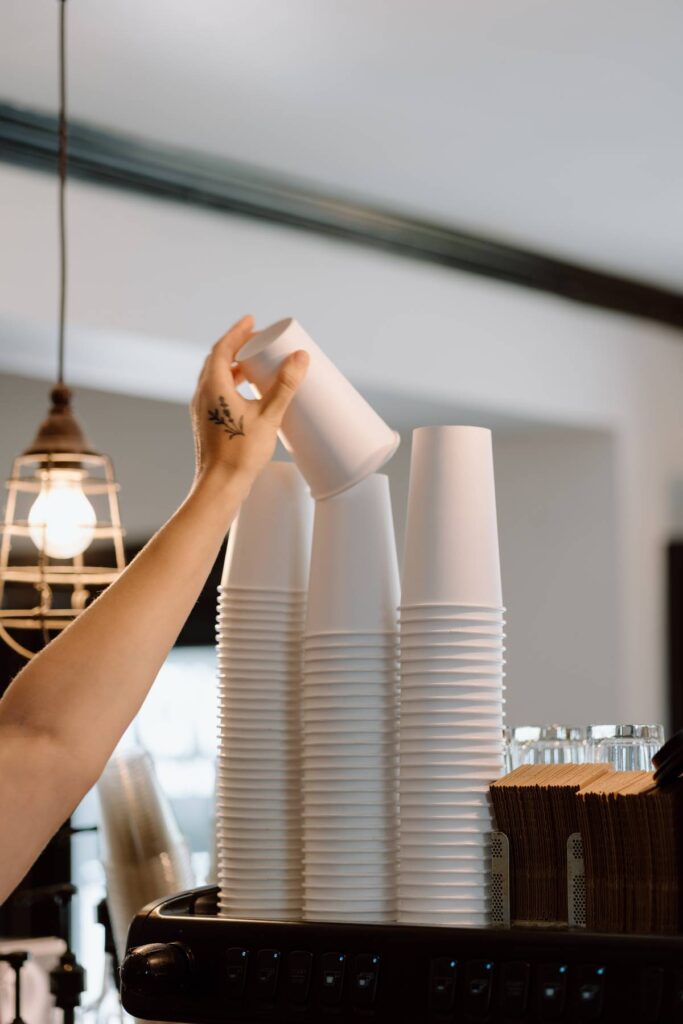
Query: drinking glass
pixel 624 747
pixel 556 744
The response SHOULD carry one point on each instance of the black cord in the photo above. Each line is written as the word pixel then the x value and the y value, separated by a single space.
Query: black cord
pixel 61 166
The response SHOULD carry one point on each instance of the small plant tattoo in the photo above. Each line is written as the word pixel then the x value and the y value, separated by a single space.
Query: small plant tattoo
pixel 225 419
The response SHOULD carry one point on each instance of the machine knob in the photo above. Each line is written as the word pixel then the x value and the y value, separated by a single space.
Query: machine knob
pixel 156 966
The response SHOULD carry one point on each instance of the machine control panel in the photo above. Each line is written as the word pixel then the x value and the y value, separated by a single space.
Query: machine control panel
pixel 220 970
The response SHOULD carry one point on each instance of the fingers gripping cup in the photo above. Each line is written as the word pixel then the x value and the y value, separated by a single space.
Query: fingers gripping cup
pixel 334 435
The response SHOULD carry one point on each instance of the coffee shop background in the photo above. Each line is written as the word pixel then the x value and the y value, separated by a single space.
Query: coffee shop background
pixel 507 127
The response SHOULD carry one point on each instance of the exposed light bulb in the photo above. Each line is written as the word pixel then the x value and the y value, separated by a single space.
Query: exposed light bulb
pixel 62 520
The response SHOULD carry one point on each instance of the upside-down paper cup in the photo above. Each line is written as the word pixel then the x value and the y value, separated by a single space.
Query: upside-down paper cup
pixel 451 551
pixel 334 435
pixel 269 543
pixel 354 582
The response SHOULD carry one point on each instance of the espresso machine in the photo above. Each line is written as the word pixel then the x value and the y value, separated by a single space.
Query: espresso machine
pixel 186 964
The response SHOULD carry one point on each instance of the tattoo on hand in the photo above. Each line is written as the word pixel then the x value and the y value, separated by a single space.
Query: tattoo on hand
pixel 225 419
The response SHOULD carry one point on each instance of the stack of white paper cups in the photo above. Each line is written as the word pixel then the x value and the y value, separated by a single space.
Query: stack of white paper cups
pixel 451 628
pixel 349 710
pixel 262 607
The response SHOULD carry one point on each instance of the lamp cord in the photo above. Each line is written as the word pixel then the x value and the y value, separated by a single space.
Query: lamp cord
pixel 61 167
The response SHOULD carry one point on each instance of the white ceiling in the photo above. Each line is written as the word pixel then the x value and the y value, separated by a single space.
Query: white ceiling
pixel 554 125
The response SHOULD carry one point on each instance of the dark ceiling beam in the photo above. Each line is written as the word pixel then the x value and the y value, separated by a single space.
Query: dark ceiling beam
pixel 29 138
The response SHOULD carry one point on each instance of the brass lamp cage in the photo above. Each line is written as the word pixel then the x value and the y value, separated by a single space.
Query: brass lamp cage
pixel 40 594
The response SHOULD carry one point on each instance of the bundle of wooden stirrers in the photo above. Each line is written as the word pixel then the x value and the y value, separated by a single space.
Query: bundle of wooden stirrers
pixel 632 841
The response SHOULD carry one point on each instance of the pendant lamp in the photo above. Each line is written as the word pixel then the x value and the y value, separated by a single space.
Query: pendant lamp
pixel 62 540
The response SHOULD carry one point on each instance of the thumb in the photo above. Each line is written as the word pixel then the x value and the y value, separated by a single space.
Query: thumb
pixel 275 402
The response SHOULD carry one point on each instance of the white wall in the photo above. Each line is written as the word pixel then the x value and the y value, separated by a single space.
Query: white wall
pixel 154 282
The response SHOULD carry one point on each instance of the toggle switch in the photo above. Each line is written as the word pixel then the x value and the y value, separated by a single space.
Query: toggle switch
pixel 552 991
pixel 267 971
pixel 299 971
pixel 590 993
pixel 365 978
pixel 236 965
pixel 332 978
pixel 514 989
pixel 478 987
pixel 443 973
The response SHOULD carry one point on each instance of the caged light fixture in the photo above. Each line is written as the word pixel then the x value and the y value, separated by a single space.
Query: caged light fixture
pixel 62 540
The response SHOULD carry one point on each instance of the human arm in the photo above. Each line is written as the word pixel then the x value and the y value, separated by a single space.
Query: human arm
pixel 66 710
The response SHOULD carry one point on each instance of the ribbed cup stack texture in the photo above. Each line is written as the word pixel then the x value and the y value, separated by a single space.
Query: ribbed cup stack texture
pixel 261 615
pixel 451 709
pixel 145 854
pixel 349 710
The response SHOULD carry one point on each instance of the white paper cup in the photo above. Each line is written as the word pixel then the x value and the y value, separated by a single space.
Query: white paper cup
pixel 453 628
pixel 260 597
pixel 353 683
pixel 279 788
pixel 365 719
pixel 331 657
pixel 266 908
pixel 339 917
pixel 237 609
pixel 334 642
pixel 478 616
pixel 336 438
pixel 327 902
pixel 260 616
pixel 349 760
pixel 454 817
pixel 457 758
pixel 358 884
pixel 289 889
pixel 324 848
pixel 253 638
pixel 451 546
pixel 476 668
pixel 246 679
pixel 441 657
pixel 433 745
pixel 454 609
pixel 231 810
pixel 261 657
pixel 230 826
pixel 366 709
pixel 457 642
pixel 451 686
pixel 457 699
pixel 452 772
pixel 468 702
pixel 377 831
pixel 354 583
pixel 385 769
pixel 280 713
pixel 265 865
pixel 264 880
pixel 446 920
pixel 269 542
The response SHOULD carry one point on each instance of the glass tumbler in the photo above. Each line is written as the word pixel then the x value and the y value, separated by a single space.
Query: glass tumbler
pixel 624 747
pixel 556 744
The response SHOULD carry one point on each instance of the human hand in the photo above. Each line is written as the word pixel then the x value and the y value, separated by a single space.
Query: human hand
pixel 235 434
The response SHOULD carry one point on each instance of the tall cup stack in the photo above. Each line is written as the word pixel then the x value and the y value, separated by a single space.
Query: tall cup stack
pixel 451 712
pixel 349 710
pixel 262 608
